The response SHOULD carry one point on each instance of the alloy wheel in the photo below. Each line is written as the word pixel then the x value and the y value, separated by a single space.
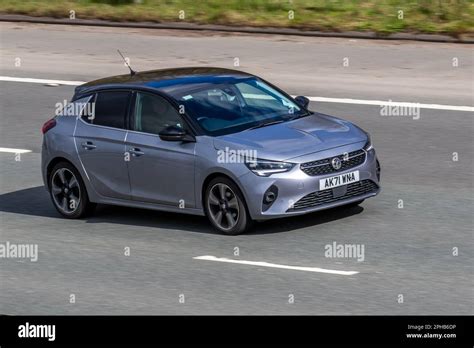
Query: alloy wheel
pixel 65 190
pixel 223 206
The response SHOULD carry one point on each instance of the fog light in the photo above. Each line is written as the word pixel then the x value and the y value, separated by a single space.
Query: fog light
pixel 269 197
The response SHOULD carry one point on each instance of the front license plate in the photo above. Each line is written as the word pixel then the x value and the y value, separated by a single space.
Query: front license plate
pixel 338 180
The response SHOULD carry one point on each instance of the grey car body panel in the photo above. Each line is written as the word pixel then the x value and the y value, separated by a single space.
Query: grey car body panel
pixel 207 165
pixel 59 144
pixel 105 163
pixel 164 173
pixel 311 134
pixel 170 176
pixel 295 184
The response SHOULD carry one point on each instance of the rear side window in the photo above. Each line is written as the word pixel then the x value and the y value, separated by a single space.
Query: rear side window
pixel 75 108
pixel 109 109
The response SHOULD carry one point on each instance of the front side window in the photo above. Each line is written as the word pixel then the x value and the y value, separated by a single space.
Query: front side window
pixel 109 109
pixel 238 105
pixel 154 113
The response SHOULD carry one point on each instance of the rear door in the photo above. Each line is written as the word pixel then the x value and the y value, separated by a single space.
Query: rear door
pixel 100 142
pixel 160 171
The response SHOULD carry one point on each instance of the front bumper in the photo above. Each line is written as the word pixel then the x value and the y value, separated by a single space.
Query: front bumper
pixel 298 192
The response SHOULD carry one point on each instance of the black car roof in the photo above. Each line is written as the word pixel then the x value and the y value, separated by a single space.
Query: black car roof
pixel 167 80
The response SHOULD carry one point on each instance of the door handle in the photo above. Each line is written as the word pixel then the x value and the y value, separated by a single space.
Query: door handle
pixel 88 145
pixel 136 152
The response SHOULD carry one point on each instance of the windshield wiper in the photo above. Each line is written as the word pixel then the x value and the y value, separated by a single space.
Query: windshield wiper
pixel 264 124
pixel 300 116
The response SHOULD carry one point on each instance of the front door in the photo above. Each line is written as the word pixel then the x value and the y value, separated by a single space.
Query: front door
pixel 160 171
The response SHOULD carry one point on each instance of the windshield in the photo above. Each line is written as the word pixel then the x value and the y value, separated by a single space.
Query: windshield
pixel 235 106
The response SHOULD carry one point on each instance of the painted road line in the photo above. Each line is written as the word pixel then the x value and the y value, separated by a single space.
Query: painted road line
pixel 392 103
pixel 274 265
pixel 42 81
pixel 7 149
pixel 317 99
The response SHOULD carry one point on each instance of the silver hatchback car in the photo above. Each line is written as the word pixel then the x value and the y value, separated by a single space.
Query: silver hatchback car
pixel 204 141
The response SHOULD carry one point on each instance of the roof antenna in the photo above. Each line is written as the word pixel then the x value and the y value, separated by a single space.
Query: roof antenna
pixel 132 72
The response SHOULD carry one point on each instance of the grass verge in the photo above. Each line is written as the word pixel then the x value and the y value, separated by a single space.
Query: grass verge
pixel 452 17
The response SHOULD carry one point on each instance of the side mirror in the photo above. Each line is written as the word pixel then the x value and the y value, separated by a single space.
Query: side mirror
pixel 303 101
pixel 173 133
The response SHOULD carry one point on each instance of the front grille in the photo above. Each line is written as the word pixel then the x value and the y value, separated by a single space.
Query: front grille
pixel 322 167
pixel 326 196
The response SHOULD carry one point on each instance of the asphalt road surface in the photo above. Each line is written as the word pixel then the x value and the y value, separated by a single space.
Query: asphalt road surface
pixel 422 251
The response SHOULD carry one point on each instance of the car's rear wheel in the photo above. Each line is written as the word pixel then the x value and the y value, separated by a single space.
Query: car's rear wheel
pixel 68 191
pixel 225 207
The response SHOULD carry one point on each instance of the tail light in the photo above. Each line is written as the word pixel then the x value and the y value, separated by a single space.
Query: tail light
pixel 48 125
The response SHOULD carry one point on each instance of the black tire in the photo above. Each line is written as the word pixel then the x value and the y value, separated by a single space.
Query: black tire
pixel 243 220
pixel 75 208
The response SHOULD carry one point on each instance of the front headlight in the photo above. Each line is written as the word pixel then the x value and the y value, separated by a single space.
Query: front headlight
pixel 368 145
pixel 267 168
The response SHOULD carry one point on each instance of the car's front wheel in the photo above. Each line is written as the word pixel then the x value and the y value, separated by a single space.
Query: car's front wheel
pixel 225 207
pixel 68 191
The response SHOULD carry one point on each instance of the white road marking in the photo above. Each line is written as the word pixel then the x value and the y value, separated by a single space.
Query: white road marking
pixel 318 99
pixel 392 103
pixel 42 81
pixel 7 149
pixel 274 265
